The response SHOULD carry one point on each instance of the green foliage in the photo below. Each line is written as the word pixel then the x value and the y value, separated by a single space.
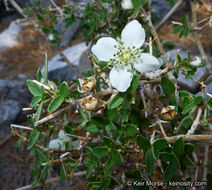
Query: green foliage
pixel 168 86
pixel 183 28
pixel 117 101
pixel 33 138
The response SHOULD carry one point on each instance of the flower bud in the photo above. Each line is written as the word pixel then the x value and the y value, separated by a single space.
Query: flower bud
pixel 50 37
pixel 89 103
pixel 88 85
pixel 127 4
pixel 168 112
pixel 196 63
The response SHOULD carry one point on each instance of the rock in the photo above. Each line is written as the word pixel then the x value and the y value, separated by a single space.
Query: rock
pixel 58 68
pixel 8 36
pixel 14 96
pixel 200 71
pixel 160 8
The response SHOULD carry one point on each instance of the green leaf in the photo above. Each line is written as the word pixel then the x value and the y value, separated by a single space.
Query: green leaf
pixel 169 173
pixel 90 153
pixel 39 75
pixel 109 166
pixel 143 142
pixel 189 148
pixel 178 146
pixel 39 111
pixel 55 103
pixel 136 3
pixel 117 157
pixel 91 127
pixel 35 101
pixel 64 89
pixel 33 138
pixel 186 32
pixel 134 84
pixel 209 104
pixel 34 88
pixel 167 86
pixel 165 156
pixel 160 144
pixel 101 151
pixel 117 101
pixel 110 127
pixel 188 162
pixel 177 29
pixel 109 142
pixel 112 113
pixel 188 108
pixel 131 130
pixel 198 100
pixel 149 160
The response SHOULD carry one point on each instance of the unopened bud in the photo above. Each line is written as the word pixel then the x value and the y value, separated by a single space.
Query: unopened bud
pixel 89 103
pixel 50 37
pixel 127 4
pixel 196 62
pixel 88 85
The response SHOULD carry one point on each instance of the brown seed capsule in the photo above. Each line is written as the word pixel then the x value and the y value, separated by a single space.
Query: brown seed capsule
pixel 89 103
pixel 88 85
pixel 168 112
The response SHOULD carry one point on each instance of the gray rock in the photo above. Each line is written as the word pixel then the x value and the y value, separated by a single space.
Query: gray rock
pixel 13 97
pixel 160 8
pixel 9 111
pixel 200 71
pixel 58 70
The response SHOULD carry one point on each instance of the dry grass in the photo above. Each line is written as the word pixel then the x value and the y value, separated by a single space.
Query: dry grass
pixel 203 11
pixel 28 55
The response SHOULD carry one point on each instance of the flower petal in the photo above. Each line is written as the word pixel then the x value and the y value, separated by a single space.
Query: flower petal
pixel 54 144
pixel 133 34
pixel 146 63
pixel 121 77
pixel 104 48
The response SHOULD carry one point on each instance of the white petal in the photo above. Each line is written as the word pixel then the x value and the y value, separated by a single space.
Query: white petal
pixel 133 34
pixel 127 4
pixel 104 48
pixel 62 135
pixel 121 77
pixel 196 63
pixel 146 63
pixel 54 144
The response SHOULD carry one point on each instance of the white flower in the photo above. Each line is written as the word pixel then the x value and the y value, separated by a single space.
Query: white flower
pixel 196 63
pixel 60 142
pixel 127 4
pixel 50 37
pixel 125 55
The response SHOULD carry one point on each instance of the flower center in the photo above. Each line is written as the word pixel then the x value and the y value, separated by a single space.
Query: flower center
pixel 126 56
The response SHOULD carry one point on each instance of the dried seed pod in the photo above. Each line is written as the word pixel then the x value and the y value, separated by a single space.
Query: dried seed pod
pixel 89 103
pixel 168 112
pixel 88 85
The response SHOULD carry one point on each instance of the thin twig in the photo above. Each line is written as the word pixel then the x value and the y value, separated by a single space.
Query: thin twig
pixel 53 115
pixel 70 65
pixel 205 169
pixel 169 14
pixel 194 138
pixel 17 7
pixel 195 123
pixel 50 180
